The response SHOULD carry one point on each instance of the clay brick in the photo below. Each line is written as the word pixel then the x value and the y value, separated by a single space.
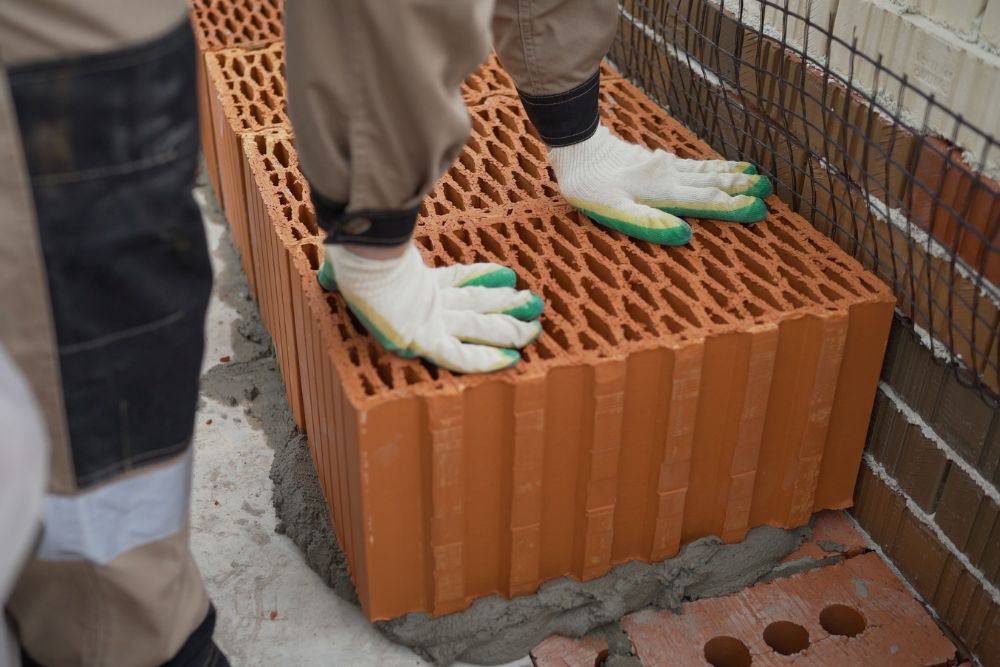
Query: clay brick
pixel 833 534
pixel 247 95
pixel 913 372
pixel 220 24
pixel 960 500
pixel 961 208
pixel 930 293
pixel 940 578
pixel 915 462
pixel 877 508
pixel 610 436
pixel 896 629
pixel 962 419
pixel 559 651
pixel 917 553
pixel 771 125
pixel 969 611
pixel 276 190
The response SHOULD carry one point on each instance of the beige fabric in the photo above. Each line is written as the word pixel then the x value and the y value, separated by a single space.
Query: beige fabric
pixel 26 329
pixel 138 610
pixel 32 30
pixel 551 46
pixel 374 86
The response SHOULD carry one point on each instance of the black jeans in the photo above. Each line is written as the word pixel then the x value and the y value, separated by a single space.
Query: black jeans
pixel 111 142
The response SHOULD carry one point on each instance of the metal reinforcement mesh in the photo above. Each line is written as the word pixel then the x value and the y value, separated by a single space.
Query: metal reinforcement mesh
pixel 849 145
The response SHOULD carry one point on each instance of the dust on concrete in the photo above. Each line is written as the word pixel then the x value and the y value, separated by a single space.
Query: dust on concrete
pixel 492 630
pixel 251 378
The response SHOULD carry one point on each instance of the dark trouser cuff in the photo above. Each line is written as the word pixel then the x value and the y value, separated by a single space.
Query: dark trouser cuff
pixel 379 228
pixel 565 118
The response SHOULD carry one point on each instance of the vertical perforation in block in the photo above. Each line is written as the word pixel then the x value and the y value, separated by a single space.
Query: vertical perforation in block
pixel 222 24
pixel 603 293
pixel 250 85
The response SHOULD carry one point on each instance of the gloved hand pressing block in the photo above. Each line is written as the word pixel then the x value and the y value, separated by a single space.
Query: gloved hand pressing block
pixel 466 318
pixel 641 193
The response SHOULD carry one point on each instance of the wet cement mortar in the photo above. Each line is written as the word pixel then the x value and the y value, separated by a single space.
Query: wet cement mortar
pixel 492 630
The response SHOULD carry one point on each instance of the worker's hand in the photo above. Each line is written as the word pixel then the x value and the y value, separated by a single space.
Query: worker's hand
pixel 466 318
pixel 641 192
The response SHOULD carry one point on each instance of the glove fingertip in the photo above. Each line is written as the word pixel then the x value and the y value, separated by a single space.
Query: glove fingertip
pixel 529 310
pixel 325 276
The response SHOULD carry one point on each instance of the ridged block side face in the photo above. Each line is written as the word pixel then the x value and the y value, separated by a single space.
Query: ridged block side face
pixel 674 393
pixel 220 24
pixel 247 94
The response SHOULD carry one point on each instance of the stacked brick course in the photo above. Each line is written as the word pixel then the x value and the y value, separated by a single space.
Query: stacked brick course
pixel 674 393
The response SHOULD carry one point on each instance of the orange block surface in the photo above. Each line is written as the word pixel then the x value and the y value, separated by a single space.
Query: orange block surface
pixel 221 24
pixel 675 392
pixel 246 95
pixel 852 613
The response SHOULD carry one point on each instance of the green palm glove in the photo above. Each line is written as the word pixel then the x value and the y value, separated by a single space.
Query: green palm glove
pixel 466 318
pixel 641 193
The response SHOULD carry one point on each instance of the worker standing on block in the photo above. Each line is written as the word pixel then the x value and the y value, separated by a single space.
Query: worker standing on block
pixel 375 104
pixel 106 279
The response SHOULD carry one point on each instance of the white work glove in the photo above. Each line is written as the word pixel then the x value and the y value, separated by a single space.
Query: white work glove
pixel 466 318
pixel 641 192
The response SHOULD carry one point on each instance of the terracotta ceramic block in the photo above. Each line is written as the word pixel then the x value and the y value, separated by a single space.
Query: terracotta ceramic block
pixel 220 24
pixel 852 613
pixel 955 592
pixel 279 216
pixel 674 392
pixel 833 534
pixel 247 95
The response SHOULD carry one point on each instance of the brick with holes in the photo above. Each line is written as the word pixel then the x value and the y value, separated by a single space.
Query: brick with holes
pixel 223 24
pixel 247 95
pixel 853 613
pixel 674 393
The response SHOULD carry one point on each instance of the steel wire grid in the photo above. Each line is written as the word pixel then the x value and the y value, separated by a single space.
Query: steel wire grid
pixel 843 151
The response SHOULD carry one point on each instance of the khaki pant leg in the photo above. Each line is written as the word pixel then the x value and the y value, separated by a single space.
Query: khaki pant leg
pixel 139 607
pixel 552 46
pixel 135 611
pixel 35 30
pixel 26 329
pixel 374 94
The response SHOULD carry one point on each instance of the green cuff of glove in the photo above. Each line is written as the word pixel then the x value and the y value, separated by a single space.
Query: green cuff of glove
pixel 326 278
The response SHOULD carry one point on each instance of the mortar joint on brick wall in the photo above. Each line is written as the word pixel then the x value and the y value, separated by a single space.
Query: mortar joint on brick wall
pixel 914 419
pixel 928 521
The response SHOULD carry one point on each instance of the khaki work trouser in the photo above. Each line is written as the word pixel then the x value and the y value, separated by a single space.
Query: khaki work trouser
pixel 140 603
pixel 374 86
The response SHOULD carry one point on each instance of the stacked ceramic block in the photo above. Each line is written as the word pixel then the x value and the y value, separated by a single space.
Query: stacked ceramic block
pixel 675 393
